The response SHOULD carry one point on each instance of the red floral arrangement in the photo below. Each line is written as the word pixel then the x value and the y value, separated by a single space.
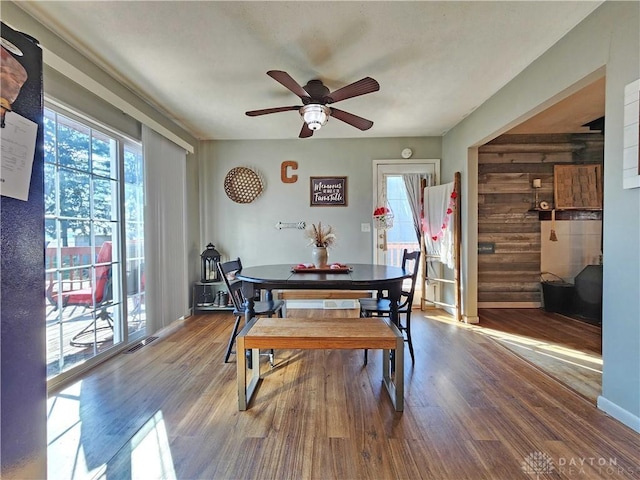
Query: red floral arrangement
pixel 383 217
pixel 381 211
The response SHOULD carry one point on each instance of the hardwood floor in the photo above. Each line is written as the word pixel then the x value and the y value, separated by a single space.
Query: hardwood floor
pixel 565 348
pixel 473 410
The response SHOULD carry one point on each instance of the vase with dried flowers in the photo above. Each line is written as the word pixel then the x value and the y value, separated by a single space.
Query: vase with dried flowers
pixel 320 238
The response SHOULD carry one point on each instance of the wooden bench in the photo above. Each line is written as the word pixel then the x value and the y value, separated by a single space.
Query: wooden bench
pixel 321 333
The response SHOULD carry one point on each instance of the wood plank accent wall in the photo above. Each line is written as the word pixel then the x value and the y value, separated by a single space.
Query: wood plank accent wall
pixel 506 168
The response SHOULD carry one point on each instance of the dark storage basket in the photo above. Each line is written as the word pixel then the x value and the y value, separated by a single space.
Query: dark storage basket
pixel 588 296
pixel 558 295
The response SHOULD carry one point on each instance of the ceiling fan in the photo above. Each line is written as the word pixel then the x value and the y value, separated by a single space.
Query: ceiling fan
pixel 316 99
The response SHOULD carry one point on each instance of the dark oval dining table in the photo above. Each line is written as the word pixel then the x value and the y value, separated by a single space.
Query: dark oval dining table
pixel 360 276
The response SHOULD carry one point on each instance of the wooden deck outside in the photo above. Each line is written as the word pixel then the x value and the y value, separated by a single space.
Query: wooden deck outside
pixel 61 329
pixel 72 266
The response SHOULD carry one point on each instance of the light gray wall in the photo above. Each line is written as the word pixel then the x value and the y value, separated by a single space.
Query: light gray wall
pixel 609 39
pixel 248 230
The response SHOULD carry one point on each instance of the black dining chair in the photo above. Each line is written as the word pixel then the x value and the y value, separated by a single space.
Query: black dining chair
pixel 381 306
pixel 234 287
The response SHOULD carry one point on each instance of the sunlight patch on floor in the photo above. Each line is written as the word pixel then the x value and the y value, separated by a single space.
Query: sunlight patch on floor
pixel 559 352
pixel 65 454
pixel 580 370
pixel 145 456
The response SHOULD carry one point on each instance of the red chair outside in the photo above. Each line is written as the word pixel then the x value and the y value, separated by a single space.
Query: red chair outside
pixel 98 296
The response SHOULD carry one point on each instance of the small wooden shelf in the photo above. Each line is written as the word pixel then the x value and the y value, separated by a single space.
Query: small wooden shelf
pixel 545 215
pixel 204 295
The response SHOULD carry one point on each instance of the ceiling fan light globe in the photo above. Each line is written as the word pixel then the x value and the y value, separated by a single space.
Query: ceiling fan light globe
pixel 315 116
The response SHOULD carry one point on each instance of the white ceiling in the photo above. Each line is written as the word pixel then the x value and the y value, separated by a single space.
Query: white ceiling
pixel 204 63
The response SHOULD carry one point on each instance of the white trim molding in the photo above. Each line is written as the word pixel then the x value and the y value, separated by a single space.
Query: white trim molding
pixel 75 74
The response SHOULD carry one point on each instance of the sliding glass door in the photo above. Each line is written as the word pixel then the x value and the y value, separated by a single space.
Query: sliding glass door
pixel 94 246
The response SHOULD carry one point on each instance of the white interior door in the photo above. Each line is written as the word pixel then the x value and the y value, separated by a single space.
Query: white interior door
pixel 388 185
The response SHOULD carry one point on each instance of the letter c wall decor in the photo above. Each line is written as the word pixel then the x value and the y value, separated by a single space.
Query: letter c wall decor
pixel 284 175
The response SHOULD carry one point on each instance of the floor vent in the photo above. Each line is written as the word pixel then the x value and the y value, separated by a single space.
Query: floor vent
pixel 141 344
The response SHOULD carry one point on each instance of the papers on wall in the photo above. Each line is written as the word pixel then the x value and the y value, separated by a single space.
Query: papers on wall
pixel 16 155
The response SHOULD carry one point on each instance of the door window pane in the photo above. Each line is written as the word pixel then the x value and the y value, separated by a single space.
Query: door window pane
pixel 134 218
pixel 102 153
pixel 75 188
pixel 402 235
pixel 49 189
pixel 104 193
pixel 72 144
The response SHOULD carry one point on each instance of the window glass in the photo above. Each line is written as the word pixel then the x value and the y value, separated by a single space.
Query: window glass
pixel 101 155
pixel 75 189
pixel 134 218
pixel 104 192
pixel 72 144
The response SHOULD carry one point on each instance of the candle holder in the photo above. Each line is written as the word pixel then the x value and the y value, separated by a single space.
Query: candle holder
pixel 536 184
pixel 209 265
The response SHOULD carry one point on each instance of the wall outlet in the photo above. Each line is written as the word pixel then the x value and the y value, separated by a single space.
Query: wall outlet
pixel 365 227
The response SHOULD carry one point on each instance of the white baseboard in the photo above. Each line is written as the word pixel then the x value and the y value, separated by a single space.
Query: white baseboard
pixel 624 416
pixel 172 327
pixel 468 319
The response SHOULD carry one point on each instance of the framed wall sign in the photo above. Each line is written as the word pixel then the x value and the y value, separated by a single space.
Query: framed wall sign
pixel 328 191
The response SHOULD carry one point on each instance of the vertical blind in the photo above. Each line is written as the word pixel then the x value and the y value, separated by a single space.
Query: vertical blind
pixel 165 242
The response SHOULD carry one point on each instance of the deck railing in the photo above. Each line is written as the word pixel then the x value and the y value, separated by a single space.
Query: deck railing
pixel 395 249
pixel 71 259
pixel 74 277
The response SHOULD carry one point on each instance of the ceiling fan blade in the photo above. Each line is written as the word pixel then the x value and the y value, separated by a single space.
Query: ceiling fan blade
pixel 255 113
pixel 351 119
pixel 361 87
pixel 306 132
pixel 285 79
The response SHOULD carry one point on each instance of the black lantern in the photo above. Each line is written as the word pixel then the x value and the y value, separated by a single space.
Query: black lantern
pixel 209 264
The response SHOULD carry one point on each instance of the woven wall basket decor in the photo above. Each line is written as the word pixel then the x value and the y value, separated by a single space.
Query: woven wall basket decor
pixel 243 185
